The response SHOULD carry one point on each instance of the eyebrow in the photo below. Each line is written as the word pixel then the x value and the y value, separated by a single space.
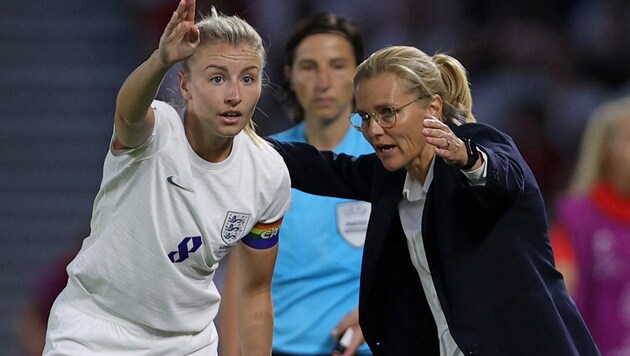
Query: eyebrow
pixel 305 61
pixel 341 59
pixel 380 107
pixel 225 69
pixel 330 60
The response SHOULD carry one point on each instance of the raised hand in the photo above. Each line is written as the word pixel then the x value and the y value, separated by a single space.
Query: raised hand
pixel 181 36
pixel 447 145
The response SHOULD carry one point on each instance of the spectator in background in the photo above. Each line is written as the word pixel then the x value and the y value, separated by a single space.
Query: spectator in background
pixel 315 285
pixel 591 232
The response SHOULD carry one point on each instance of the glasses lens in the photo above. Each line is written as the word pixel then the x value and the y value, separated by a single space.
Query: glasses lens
pixel 388 118
pixel 358 121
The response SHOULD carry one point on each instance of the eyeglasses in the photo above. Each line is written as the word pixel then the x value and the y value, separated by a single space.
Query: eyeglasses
pixel 386 118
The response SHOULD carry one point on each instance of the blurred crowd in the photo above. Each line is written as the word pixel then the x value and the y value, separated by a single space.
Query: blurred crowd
pixel 538 69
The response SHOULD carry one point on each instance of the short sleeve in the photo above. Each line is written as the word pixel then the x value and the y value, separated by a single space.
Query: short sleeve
pixel 167 120
pixel 281 198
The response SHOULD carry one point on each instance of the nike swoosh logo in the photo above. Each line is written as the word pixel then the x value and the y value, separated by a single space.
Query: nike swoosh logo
pixel 171 180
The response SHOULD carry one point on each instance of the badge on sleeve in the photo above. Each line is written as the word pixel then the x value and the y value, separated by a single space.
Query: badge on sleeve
pixel 352 221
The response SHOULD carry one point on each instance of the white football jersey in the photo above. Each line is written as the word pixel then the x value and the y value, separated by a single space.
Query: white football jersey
pixel 164 217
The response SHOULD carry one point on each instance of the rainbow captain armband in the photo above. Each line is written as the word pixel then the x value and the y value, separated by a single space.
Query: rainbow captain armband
pixel 263 236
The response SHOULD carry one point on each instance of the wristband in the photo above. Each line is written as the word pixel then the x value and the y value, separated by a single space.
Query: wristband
pixel 473 155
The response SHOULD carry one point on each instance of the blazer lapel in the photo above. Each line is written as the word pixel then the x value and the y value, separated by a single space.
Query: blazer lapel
pixel 386 197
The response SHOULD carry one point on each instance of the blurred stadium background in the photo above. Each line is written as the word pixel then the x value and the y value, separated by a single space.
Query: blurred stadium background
pixel 538 68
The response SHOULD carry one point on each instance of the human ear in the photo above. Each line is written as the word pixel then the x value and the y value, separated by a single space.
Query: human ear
pixel 435 106
pixel 183 85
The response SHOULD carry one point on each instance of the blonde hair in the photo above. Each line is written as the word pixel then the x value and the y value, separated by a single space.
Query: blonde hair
pixel 426 75
pixel 219 28
pixel 591 161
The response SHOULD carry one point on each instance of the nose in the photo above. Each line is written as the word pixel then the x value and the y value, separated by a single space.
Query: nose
pixel 323 79
pixel 233 94
pixel 373 129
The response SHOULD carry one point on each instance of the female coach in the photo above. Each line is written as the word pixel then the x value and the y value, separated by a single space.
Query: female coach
pixel 457 260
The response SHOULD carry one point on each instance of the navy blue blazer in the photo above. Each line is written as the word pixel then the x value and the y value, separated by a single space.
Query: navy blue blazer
pixel 487 248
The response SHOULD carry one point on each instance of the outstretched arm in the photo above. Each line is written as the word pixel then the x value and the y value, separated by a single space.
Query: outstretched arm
pixel 327 173
pixel 133 117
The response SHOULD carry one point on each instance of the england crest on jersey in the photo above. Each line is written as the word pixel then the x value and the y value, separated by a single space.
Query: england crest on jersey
pixel 234 226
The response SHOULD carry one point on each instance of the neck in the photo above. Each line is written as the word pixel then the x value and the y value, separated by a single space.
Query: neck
pixel 419 167
pixel 325 134
pixel 211 148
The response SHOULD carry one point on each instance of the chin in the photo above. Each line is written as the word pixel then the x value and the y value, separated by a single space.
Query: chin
pixel 235 127
pixel 390 165
pixel 229 131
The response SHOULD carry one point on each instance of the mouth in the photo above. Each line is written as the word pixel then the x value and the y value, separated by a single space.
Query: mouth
pixel 385 148
pixel 324 101
pixel 231 116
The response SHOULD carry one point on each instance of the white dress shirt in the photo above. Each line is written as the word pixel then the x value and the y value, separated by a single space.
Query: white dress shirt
pixel 411 208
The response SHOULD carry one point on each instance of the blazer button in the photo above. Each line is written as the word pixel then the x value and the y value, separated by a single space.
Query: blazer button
pixel 473 350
